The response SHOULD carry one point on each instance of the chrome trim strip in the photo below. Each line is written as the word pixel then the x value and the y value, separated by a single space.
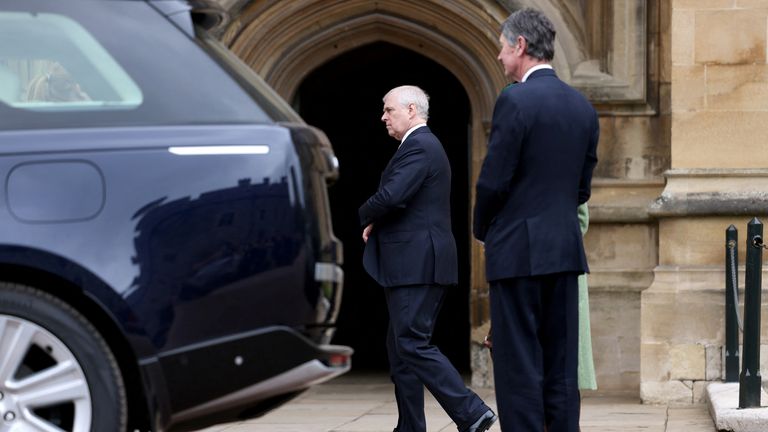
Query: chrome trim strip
pixel 219 150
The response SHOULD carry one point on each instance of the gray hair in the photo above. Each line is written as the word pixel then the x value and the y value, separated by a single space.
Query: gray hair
pixel 536 28
pixel 409 94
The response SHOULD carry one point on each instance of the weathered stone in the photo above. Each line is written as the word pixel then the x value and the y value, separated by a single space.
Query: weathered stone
pixel 703 4
pixel 615 317
pixel 715 44
pixel 630 149
pixel 635 252
pixel 687 362
pixel 665 392
pixel 700 392
pixel 690 89
pixel 655 362
pixel 667 316
pixel 738 139
pixel 683 34
pixel 714 355
pixel 724 405
pixel 735 87
pixel 751 4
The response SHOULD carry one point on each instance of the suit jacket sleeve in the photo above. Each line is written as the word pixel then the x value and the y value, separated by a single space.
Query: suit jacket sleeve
pixel 585 188
pixel 401 182
pixel 504 147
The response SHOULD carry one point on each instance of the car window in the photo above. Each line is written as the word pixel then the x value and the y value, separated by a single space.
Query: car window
pixel 116 63
pixel 33 79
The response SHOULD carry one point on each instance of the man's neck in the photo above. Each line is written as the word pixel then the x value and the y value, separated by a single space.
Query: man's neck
pixel 533 68
pixel 413 128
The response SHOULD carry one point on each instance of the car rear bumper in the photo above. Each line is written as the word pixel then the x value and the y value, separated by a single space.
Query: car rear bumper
pixel 243 376
pixel 299 378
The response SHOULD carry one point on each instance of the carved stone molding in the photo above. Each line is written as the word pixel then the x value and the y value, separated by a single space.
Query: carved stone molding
pixel 623 201
pixel 713 192
pixel 601 49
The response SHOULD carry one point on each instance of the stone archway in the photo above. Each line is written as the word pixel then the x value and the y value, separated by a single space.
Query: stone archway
pixel 285 41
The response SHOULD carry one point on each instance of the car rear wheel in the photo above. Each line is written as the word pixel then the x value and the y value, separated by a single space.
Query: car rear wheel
pixel 56 371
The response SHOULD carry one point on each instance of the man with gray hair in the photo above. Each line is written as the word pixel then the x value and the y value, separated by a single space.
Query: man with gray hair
pixel 538 169
pixel 411 252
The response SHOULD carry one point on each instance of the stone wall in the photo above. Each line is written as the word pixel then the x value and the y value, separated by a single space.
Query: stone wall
pixel 718 177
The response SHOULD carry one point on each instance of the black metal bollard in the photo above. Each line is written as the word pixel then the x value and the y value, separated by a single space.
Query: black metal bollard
pixel 749 381
pixel 731 305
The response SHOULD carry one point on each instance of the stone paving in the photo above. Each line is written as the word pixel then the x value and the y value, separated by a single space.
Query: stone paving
pixel 365 403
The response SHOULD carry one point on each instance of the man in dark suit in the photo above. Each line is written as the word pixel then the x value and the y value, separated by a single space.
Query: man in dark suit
pixel 541 153
pixel 411 252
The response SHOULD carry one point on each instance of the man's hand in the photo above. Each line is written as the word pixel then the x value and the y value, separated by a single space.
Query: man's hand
pixel 367 232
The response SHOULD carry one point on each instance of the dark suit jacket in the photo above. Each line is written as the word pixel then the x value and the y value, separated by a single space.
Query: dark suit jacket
pixel 538 169
pixel 411 242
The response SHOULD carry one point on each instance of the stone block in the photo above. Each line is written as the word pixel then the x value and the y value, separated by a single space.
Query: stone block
pixel 687 362
pixel 702 4
pixel 715 366
pixel 736 87
pixel 696 242
pixel 615 319
pixel 690 88
pixel 673 317
pixel 717 43
pixel 751 4
pixel 683 36
pixel 654 362
pixel 624 246
pixel 666 392
pixel 720 139
pixel 630 148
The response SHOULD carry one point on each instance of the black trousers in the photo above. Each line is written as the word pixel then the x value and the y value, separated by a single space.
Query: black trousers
pixel 415 363
pixel 535 326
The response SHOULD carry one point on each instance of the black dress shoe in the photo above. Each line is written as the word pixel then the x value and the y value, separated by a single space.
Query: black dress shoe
pixel 484 422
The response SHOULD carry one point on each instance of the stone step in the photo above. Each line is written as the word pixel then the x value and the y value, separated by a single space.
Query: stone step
pixel 723 399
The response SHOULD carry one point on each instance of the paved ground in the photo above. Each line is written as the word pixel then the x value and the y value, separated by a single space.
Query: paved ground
pixel 365 403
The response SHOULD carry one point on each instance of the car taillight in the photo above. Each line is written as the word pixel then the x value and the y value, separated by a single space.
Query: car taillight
pixel 338 360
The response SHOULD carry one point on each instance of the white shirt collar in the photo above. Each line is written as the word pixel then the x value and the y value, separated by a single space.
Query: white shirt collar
pixel 409 132
pixel 534 69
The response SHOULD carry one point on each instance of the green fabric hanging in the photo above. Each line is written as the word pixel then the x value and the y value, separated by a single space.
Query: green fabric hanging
pixel 586 370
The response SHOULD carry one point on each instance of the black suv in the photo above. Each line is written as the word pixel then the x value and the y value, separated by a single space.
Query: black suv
pixel 166 254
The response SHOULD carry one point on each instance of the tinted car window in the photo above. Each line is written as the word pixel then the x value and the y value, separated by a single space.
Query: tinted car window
pixel 33 79
pixel 82 50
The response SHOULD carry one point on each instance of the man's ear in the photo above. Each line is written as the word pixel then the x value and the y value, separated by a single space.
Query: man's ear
pixel 522 44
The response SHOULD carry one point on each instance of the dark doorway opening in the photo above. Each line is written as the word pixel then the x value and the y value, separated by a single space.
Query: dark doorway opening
pixel 344 99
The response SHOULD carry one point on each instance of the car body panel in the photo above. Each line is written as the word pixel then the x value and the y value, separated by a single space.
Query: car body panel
pixel 205 237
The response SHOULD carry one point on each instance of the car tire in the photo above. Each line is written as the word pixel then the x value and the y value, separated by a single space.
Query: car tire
pixel 55 368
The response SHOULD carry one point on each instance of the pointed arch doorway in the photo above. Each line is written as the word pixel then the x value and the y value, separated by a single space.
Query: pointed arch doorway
pixel 286 42
pixel 344 98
